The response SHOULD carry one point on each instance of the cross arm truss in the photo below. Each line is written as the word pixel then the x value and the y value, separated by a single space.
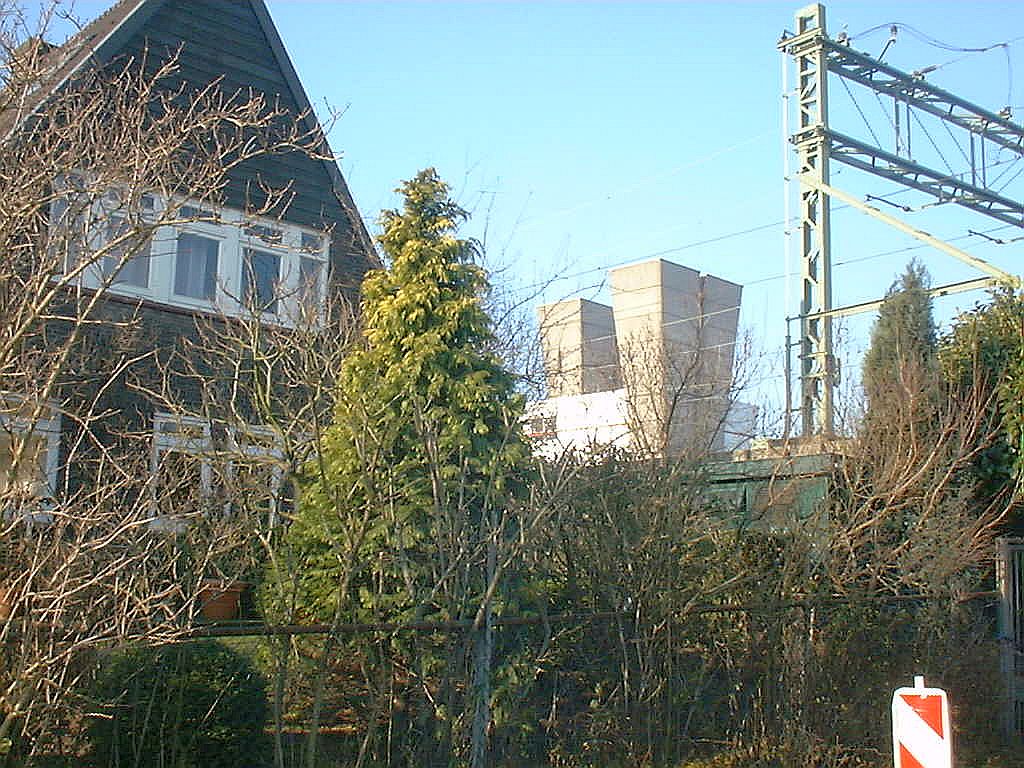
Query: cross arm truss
pixel 916 91
pixel 1004 278
pixel 943 186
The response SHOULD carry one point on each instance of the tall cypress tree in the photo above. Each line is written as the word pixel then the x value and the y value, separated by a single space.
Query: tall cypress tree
pixel 902 354
pixel 400 519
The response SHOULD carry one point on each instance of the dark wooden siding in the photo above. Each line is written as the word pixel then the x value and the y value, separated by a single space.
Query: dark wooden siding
pixel 223 39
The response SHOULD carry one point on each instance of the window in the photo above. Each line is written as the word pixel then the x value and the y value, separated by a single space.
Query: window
pixel 94 230
pixel 311 243
pixel 310 293
pixel 239 473
pixel 544 425
pixel 195 266
pixel 29 456
pixel 261 274
pixel 183 472
pixel 255 473
pixel 270 235
pixel 69 219
pixel 196 213
pixel 133 271
pixel 202 257
pixel 23 458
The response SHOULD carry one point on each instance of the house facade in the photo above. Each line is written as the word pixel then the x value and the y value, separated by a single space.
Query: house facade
pixel 267 236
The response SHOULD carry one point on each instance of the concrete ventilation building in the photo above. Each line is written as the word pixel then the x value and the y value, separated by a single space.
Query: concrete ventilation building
pixel 651 373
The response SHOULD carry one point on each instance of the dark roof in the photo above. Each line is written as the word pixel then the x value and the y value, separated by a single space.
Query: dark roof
pixel 100 41
pixel 61 63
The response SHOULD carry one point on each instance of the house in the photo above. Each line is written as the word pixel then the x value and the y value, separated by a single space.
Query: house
pixel 239 214
pixel 651 374
pixel 174 241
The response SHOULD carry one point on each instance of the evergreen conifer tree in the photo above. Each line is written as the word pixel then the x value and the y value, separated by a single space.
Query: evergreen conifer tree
pixel 400 520
pixel 901 359
pixel 983 354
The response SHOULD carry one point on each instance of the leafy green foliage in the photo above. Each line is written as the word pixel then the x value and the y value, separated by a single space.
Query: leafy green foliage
pixel 420 472
pixel 903 338
pixel 984 352
pixel 197 705
pixel 425 434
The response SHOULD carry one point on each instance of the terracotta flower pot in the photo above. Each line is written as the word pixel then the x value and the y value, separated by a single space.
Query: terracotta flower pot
pixel 220 600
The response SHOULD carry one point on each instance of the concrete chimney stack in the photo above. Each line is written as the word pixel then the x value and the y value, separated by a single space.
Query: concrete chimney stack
pixel 676 332
pixel 578 339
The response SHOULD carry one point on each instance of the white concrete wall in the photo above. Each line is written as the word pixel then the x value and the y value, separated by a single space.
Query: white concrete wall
pixel 578 422
pixel 580 355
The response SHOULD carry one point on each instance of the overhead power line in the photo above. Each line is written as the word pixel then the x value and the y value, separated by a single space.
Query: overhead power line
pixel 936 43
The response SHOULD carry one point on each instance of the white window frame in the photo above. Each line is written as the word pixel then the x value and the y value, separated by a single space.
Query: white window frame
pixel 247 441
pixel 144 251
pixel 302 312
pixel 280 296
pixel 202 229
pixel 234 232
pixel 94 220
pixel 48 428
pixel 254 441
pixel 177 439
pixel 65 189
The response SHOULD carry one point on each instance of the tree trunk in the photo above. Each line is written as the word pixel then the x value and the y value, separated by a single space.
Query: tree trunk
pixel 283 649
pixel 483 651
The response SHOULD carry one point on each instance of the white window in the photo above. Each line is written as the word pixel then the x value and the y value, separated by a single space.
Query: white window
pixel 268 234
pixel 261 280
pixel 69 219
pixel 255 473
pixel 118 265
pixel 101 231
pixel 195 266
pixel 202 259
pixel 239 473
pixel 310 291
pixel 183 478
pixel 29 457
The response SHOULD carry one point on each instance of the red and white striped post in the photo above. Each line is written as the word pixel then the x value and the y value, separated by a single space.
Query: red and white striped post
pixel 921 737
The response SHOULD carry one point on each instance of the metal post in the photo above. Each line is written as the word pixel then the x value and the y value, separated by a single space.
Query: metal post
pixel 788 373
pixel 1010 554
pixel 815 57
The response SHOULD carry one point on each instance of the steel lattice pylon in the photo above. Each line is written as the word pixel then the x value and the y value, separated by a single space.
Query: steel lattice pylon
pixel 815 56
pixel 816 359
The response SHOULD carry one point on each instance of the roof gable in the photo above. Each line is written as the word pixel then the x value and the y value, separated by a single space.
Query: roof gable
pixel 236 42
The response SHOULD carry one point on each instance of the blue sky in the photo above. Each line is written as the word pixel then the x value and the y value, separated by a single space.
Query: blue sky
pixel 588 135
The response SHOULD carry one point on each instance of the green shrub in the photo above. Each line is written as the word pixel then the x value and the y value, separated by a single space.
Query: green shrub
pixel 180 706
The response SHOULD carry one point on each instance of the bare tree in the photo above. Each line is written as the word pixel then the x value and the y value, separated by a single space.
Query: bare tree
pixel 96 549
pixel 268 391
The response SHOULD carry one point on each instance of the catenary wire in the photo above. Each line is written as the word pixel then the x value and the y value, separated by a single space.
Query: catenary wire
pixel 936 43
